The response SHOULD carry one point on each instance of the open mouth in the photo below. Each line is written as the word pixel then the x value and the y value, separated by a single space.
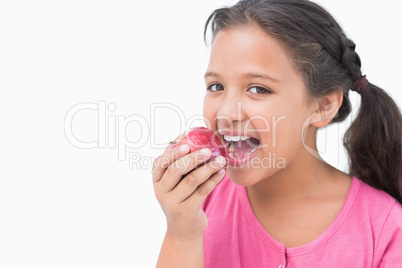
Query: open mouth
pixel 239 147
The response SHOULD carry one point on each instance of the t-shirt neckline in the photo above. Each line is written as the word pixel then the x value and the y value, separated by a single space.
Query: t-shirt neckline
pixel 311 246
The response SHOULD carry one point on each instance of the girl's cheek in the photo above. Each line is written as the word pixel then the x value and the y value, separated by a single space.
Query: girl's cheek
pixel 209 115
pixel 210 106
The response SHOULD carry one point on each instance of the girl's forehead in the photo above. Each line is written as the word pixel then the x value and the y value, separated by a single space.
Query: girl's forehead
pixel 249 47
pixel 247 39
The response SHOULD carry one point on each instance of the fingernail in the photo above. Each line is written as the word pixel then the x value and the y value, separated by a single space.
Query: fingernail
pixel 205 151
pixel 221 172
pixel 183 148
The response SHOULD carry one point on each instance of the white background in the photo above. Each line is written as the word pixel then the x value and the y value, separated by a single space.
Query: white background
pixel 65 206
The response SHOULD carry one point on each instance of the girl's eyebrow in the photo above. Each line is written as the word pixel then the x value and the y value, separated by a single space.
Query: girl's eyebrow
pixel 246 75
pixel 259 75
pixel 210 74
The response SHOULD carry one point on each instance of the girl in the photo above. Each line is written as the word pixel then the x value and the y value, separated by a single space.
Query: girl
pixel 278 71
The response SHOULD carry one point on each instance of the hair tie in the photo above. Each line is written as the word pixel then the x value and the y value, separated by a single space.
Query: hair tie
pixel 360 84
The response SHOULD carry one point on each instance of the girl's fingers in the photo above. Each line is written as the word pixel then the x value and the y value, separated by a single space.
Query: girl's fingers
pixel 163 161
pixel 176 170
pixel 198 197
pixel 193 182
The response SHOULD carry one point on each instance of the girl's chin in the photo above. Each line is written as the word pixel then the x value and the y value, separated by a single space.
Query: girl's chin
pixel 249 177
pixel 239 180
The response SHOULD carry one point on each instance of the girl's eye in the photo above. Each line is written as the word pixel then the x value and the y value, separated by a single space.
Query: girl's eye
pixel 215 87
pixel 259 90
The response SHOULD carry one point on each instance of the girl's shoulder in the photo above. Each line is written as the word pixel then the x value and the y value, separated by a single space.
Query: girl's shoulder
pixel 385 222
pixel 375 198
pixel 383 210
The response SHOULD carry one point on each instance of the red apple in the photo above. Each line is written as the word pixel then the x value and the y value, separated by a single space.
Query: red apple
pixel 198 138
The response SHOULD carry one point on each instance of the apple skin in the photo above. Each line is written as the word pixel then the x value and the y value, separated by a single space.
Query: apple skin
pixel 198 138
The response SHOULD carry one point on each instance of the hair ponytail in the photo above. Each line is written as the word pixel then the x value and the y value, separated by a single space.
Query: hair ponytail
pixel 374 142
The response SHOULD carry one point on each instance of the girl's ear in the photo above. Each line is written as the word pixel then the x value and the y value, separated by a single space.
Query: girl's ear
pixel 328 107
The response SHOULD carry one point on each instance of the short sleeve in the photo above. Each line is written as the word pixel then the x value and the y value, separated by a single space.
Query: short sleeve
pixel 389 248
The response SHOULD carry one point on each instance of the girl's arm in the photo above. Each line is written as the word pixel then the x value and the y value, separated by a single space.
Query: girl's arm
pixel 181 191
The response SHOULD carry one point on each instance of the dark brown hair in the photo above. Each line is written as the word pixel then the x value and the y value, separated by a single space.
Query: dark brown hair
pixel 327 60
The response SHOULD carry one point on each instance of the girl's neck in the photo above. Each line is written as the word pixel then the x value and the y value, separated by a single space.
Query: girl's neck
pixel 295 206
pixel 306 179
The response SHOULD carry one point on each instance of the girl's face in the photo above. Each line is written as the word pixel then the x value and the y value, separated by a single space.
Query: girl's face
pixel 258 102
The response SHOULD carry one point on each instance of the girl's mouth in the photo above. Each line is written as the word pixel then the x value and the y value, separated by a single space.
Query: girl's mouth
pixel 240 147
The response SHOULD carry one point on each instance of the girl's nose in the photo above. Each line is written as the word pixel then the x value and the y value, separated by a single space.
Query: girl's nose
pixel 230 111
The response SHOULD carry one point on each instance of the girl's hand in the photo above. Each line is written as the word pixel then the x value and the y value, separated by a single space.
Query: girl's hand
pixel 181 190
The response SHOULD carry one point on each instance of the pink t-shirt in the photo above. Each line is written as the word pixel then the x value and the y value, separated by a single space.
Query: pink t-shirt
pixel 367 232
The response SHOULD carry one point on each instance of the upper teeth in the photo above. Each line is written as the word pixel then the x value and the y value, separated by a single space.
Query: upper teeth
pixel 235 138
